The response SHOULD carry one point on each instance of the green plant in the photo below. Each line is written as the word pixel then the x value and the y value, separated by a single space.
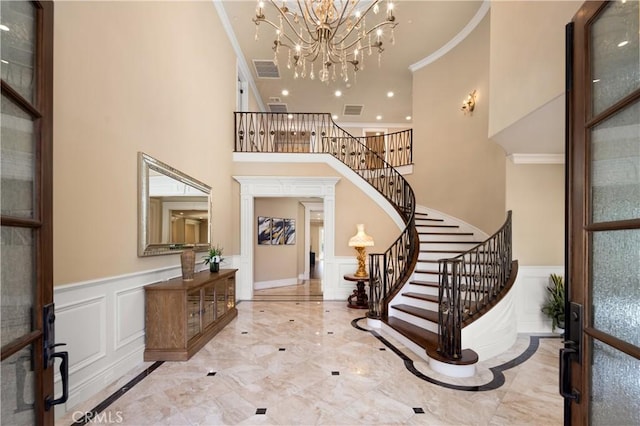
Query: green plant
pixel 214 255
pixel 554 306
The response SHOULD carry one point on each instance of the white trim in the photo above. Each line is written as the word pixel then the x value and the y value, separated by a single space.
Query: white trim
pixel 261 285
pixel 282 186
pixel 537 158
pixel 241 62
pixel 447 47
pixel 378 124
pixel 308 207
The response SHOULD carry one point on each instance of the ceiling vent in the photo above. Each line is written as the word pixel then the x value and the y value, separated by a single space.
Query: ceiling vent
pixel 276 107
pixel 353 110
pixel 266 68
pixel 275 100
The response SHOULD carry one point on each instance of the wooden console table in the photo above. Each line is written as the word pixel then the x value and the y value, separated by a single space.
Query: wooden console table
pixel 182 316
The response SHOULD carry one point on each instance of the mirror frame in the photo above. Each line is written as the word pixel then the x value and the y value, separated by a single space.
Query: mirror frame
pixel 146 163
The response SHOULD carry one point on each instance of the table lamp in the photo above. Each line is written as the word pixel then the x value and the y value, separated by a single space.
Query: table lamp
pixel 360 241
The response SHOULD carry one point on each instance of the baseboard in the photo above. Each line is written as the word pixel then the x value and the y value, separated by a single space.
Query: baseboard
pixel 261 285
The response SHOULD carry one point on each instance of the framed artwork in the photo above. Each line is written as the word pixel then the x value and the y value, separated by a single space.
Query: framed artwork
pixel 277 231
pixel 290 231
pixel 264 230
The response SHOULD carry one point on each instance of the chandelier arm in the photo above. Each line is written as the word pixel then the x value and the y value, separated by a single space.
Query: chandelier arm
pixel 381 24
pixel 312 15
pixel 291 26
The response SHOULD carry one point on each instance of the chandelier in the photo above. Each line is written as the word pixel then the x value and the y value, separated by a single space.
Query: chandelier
pixel 331 32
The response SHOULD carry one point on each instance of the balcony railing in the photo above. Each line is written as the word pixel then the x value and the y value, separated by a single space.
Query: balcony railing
pixel 313 133
pixel 471 283
pixel 317 133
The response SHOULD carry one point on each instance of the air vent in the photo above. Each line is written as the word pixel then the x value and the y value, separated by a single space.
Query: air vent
pixel 277 107
pixel 266 68
pixel 275 100
pixel 353 110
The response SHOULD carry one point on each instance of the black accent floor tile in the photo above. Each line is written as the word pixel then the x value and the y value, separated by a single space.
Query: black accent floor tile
pixel 330 332
pixel 245 332
pixel 383 349
pixel 291 320
pixel 211 373
pixel 418 410
pixel 261 411
pixel 282 349
pixel 335 373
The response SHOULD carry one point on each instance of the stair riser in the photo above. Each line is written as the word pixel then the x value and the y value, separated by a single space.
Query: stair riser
pixel 412 288
pixel 427 325
pixel 418 303
pixel 443 237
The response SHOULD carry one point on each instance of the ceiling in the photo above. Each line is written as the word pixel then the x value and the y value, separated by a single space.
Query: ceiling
pixel 423 28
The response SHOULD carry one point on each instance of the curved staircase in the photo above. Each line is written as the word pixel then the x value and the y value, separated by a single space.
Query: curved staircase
pixel 438 276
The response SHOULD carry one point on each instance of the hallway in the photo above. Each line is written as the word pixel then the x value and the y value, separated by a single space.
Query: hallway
pixel 306 291
pixel 282 363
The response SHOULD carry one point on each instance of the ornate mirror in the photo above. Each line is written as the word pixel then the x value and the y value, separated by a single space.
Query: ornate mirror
pixel 174 209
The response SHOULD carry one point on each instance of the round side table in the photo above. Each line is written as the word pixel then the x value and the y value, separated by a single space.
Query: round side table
pixel 361 300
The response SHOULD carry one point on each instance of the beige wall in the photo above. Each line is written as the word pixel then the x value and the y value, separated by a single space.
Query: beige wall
pixel 527 57
pixel 277 262
pixel 129 77
pixel 535 193
pixel 352 205
pixel 457 169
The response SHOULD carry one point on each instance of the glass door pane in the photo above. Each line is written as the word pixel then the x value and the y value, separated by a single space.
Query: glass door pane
pixel 17 170
pixel 615 379
pixel 18 283
pixel 19 47
pixel 615 57
pixel 18 389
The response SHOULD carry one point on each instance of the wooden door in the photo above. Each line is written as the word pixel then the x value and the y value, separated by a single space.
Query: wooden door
pixel 600 364
pixel 26 281
pixel 375 142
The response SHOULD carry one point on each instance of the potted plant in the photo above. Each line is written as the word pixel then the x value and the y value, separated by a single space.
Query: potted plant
pixel 213 258
pixel 554 306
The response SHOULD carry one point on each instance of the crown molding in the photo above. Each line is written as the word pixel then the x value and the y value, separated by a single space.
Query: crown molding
pixel 242 63
pixel 471 25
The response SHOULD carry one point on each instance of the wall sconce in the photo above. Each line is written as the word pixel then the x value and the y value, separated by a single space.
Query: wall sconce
pixel 360 241
pixel 469 104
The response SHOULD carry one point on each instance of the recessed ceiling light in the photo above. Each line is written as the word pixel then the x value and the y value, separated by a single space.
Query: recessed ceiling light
pixel 285 92
pixel 378 117
pixel 596 80
pixel 338 93
pixel 290 116
pixel 623 43
pixel 4 27
pixel 389 94
pixel 377 133
pixel 334 116
pixel 3 61
pixel 408 117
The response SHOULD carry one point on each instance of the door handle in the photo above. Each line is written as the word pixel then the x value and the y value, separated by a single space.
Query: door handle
pixel 64 372
pixel 566 355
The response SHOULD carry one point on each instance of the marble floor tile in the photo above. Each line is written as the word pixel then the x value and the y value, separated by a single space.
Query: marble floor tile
pixel 329 373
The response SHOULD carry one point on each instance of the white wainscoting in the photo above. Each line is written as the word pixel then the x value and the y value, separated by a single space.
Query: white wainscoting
pixel 102 323
pixel 530 295
pixel 285 282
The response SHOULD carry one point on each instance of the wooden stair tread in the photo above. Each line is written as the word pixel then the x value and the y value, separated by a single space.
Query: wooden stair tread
pixel 437 226
pixel 424 338
pixel 425 314
pixel 430 219
pixel 421 296
pixel 452 242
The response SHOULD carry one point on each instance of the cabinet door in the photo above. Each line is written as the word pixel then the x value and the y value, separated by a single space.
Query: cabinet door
pixel 208 305
pixel 193 313
pixel 231 292
pixel 221 298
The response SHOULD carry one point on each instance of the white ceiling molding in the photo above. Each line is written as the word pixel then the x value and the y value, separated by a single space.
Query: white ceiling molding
pixel 376 125
pixel 242 63
pixel 473 23
pixel 537 158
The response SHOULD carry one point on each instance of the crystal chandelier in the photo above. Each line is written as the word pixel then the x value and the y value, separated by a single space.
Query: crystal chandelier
pixel 332 32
